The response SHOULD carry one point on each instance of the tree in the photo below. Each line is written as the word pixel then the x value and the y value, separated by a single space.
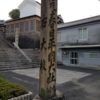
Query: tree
pixel 14 14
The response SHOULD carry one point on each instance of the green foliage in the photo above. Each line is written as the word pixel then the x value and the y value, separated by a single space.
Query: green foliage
pixel 10 90
pixel 14 14
pixel 1 75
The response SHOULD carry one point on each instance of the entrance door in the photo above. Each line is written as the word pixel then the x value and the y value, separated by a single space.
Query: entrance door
pixel 74 58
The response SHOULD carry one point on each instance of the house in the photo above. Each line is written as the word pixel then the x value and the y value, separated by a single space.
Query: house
pixel 29 8
pixel 78 43
pixel 32 7
pixel 29 30
pixel 29 25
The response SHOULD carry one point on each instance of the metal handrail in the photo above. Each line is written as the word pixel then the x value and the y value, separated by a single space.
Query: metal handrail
pixel 23 53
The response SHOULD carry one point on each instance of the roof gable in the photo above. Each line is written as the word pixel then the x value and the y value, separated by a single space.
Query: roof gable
pixel 23 4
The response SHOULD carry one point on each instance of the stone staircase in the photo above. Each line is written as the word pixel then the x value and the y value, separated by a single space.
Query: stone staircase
pixel 34 55
pixel 11 59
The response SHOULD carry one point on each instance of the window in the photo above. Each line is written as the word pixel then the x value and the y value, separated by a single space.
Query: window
pixel 32 24
pixel 16 25
pixel 92 54
pixel 12 27
pixel 82 34
pixel 26 25
pixel 21 26
pixel 58 36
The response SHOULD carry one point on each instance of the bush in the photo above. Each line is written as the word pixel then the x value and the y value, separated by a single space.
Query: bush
pixel 10 90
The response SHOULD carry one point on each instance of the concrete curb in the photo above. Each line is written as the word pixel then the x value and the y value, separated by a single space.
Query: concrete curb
pixel 28 96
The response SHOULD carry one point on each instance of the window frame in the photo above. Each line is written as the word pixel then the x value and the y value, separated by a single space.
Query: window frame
pixel 94 58
pixel 82 33
pixel 89 53
pixel 74 57
pixel 60 36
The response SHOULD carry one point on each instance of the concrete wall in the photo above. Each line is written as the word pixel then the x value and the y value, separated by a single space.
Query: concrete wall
pixel 59 53
pixel 82 61
pixel 70 35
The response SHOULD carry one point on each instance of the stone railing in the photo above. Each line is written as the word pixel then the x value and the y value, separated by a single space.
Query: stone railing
pixel 7 41
pixel 22 52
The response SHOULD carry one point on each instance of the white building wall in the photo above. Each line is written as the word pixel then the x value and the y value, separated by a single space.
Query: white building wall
pixel 59 55
pixel 38 10
pixel 27 10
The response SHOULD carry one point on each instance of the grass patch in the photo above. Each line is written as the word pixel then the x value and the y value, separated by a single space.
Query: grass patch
pixel 10 90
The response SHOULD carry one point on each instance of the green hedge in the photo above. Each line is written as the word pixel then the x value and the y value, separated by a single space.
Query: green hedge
pixel 10 90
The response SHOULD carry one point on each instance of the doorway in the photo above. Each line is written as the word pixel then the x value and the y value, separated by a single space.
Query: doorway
pixel 74 58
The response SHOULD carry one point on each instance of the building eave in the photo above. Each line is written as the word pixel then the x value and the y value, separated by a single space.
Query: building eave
pixel 38 3
pixel 79 46
pixel 11 20
pixel 79 22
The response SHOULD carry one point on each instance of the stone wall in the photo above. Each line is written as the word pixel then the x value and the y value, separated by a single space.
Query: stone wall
pixel 29 39
pixel 29 31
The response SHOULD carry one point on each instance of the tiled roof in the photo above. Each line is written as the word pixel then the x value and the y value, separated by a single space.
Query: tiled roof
pixel 79 22
pixel 22 18
pixel 2 22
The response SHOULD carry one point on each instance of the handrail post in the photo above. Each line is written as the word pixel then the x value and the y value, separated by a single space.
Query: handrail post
pixel 17 36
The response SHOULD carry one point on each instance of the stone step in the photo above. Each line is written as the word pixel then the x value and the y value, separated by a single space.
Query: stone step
pixel 11 59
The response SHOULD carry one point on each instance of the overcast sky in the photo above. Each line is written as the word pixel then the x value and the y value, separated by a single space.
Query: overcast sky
pixel 69 9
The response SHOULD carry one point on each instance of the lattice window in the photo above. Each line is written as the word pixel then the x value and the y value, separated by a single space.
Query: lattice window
pixel 32 24
pixel 26 25
pixel 12 27
pixel 21 26
pixel 38 25
pixel 16 25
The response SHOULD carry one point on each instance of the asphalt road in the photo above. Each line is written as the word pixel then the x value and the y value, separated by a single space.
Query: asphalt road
pixel 85 88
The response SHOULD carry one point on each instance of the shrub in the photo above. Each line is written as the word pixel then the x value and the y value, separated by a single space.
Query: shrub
pixel 10 90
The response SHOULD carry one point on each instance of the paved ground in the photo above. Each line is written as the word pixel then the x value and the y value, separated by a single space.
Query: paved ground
pixel 75 83
pixel 62 74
